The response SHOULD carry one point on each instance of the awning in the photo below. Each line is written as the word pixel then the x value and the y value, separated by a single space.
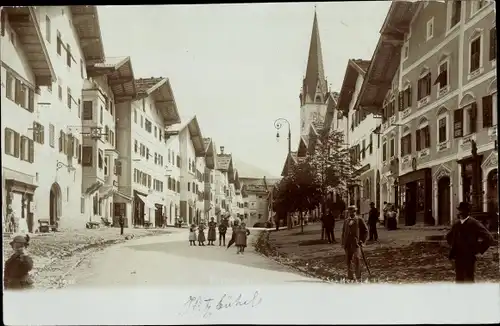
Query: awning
pixel 148 203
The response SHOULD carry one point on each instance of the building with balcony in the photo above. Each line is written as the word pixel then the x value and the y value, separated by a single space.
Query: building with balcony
pixel 28 174
pixel 436 63
pixel 209 175
pixel 192 163
pixel 224 175
pixel 141 142
pixel 361 137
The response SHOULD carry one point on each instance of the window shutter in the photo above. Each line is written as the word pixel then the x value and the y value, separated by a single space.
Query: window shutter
pixel 17 144
pixel 419 89
pixel 31 100
pixel 61 136
pixel 403 146
pixel 487 111
pixel 493 43
pixel 79 153
pixel 429 83
pixel 18 92
pixel 458 119
pixel 118 165
pixel 427 137
pixel 417 139
pixel 401 101
pixel 409 96
pixel 473 117
pixel 31 151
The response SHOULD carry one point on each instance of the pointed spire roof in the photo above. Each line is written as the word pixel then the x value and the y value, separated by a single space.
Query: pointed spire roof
pixel 315 73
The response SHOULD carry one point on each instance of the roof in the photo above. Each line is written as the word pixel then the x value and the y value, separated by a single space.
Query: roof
pixel 225 162
pixel 209 148
pixel 290 158
pixel 386 57
pixel 355 67
pixel 24 22
pixel 120 76
pixel 194 132
pixel 303 144
pixel 315 73
pixel 86 22
pixel 331 106
pixel 161 90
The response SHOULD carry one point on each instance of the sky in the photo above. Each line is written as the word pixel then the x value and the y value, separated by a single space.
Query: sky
pixel 239 67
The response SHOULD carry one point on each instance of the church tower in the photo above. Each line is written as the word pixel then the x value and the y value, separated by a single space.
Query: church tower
pixel 314 90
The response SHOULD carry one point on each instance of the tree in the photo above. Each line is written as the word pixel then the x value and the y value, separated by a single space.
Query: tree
pixel 282 199
pixel 333 165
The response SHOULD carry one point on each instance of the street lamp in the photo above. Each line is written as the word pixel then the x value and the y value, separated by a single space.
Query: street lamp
pixel 278 123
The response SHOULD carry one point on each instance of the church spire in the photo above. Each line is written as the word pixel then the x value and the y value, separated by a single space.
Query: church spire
pixel 314 81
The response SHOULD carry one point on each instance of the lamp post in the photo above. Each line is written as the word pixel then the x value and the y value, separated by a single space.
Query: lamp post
pixel 278 123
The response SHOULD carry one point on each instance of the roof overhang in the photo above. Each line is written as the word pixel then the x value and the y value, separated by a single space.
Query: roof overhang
pixel 86 22
pixel 386 58
pixel 210 154
pixel 222 167
pixel 120 76
pixel 165 101
pixel 24 22
pixel 348 86
pixel 196 137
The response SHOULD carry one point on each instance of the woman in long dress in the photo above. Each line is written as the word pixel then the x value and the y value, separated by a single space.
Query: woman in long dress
pixel 212 225
pixel 201 235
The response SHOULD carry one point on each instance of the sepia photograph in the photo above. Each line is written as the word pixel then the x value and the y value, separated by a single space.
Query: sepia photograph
pixel 233 159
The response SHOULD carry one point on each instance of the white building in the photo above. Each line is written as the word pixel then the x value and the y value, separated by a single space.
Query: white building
pixel 224 169
pixel 192 149
pixel 173 187
pixel 209 175
pixel 141 142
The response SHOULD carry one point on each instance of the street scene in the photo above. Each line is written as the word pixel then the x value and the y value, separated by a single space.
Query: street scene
pixel 352 154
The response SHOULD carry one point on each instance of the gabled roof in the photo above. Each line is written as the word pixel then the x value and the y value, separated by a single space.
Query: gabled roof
pixel 120 76
pixel 355 67
pixel 24 22
pixel 303 145
pixel 194 132
pixel 210 153
pixel 291 158
pixel 386 57
pixel 331 106
pixel 237 183
pixel 86 22
pixel 315 74
pixel 161 90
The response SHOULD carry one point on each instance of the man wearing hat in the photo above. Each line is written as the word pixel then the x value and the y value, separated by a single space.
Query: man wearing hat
pixel 372 222
pixel 354 234
pixel 18 266
pixel 467 238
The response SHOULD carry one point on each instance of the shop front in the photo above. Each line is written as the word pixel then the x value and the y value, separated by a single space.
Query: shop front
pixel 415 197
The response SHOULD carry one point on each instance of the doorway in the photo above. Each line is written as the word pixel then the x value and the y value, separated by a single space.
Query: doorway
pixel 411 203
pixel 54 203
pixel 158 215
pixel 444 198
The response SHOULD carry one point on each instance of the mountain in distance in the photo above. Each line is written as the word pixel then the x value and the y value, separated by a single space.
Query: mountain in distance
pixel 247 170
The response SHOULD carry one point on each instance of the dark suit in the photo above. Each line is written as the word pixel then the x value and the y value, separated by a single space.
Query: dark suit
pixel 372 224
pixel 16 272
pixel 467 239
pixel 329 223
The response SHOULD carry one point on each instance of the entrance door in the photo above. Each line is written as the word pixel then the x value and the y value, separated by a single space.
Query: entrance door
pixel 411 203
pixel 54 203
pixel 159 215
pixel 444 199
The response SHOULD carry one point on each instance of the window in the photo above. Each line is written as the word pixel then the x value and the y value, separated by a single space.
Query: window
pixel 423 136
pixel 47 28
pixel 87 155
pixel 11 142
pixel 493 43
pixel 106 161
pixel 52 135
pixel 371 143
pixel 26 149
pixel 424 86
pixel 442 78
pixel 59 43
pixel 156 131
pixel 87 110
pixel 79 108
pixel 136 146
pixel 68 55
pixel 148 125
pixel 458 116
pixel 489 115
pixel 475 54
pixel 430 29
pixel 456 12
pixel 69 98
pixel 393 147
pixel 106 133
pixel 477 5
pixel 442 120
pixel 101 118
pixel 112 138
pixel 38 133
pixel 405 144
pixel 142 121
pixel 405 99
pixel 100 159
pixel 59 92
pixel 470 125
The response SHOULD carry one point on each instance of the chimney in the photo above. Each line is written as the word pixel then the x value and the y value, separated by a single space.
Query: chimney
pixel 222 149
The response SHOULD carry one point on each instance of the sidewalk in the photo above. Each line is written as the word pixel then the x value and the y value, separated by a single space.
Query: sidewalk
pixel 47 248
pixel 402 255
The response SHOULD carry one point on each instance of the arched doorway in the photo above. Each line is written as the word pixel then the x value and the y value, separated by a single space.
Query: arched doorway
pixel 444 197
pixel 377 190
pixel 492 191
pixel 55 203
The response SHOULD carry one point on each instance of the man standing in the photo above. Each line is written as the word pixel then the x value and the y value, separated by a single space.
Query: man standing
pixel 467 238
pixel 121 222
pixel 354 235
pixel 329 222
pixel 372 222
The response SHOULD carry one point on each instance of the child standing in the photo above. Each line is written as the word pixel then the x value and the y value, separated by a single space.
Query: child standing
pixel 17 267
pixel 241 238
pixel 201 235
pixel 192 235
pixel 222 233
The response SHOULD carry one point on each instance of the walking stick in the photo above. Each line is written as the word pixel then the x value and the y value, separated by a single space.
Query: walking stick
pixel 364 259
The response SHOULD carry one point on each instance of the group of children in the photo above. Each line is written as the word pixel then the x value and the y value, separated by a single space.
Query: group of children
pixel 239 234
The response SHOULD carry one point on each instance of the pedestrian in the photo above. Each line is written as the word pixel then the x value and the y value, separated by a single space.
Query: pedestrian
pixel 222 233
pixel 372 222
pixel 235 226
pixel 329 223
pixel 201 235
pixel 467 238
pixel 241 238
pixel 13 221
pixel 192 235
pixel 385 210
pixel 392 223
pixel 212 225
pixel 121 222
pixel 17 267
pixel 354 234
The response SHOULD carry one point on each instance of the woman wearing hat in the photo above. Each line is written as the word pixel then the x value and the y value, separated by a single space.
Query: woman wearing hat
pixel 467 238
pixel 17 267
